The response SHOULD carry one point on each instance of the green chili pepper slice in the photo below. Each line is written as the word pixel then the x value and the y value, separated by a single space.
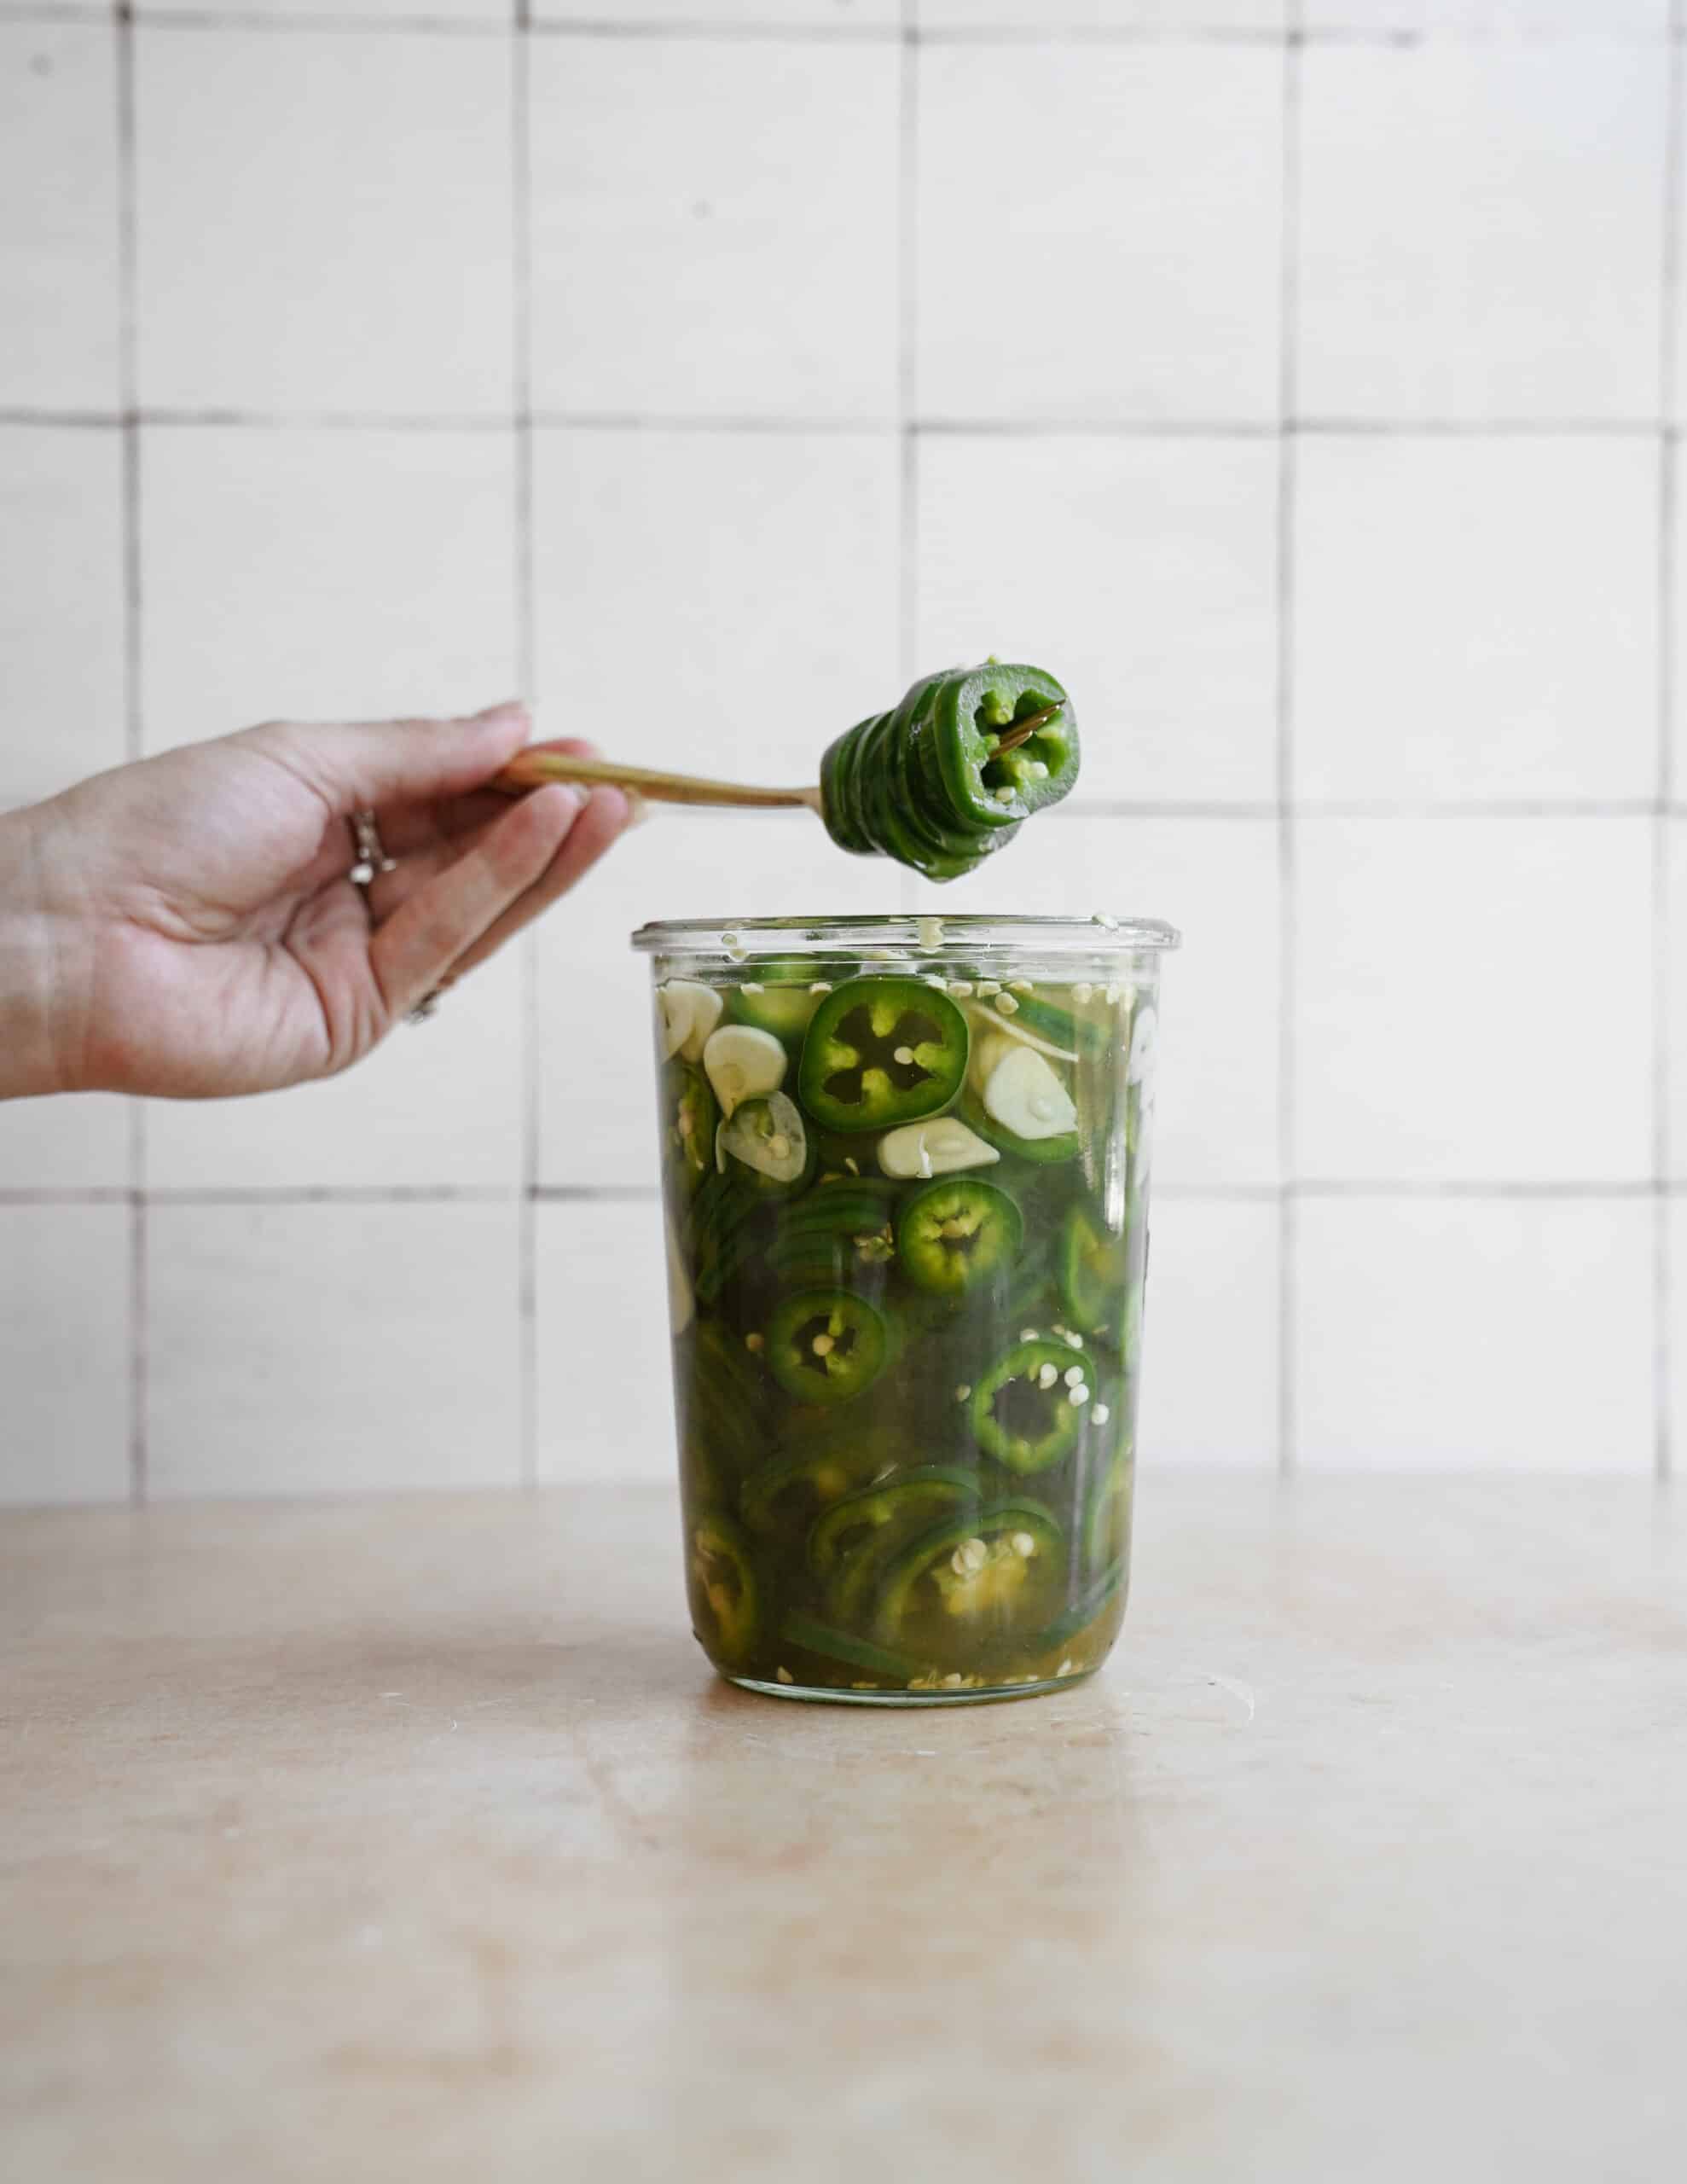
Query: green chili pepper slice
pixel 767 1146
pixel 1092 1272
pixel 853 1535
pixel 1026 1412
pixel 945 778
pixel 789 1493
pixel 693 1114
pixel 826 1346
pixel 880 1052
pixel 1107 1523
pixel 725 1598
pixel 956 1232
pixel 973 1584
pixel 1094 1601
pixel 777 999
pixel 829 1644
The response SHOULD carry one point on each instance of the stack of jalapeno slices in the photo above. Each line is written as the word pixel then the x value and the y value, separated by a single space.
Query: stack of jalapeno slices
pixel 906 1320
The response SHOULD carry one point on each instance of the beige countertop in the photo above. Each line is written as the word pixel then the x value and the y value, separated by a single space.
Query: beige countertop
pixel 413 1839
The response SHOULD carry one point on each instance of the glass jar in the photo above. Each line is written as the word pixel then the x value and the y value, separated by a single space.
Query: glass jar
pixel 905 1169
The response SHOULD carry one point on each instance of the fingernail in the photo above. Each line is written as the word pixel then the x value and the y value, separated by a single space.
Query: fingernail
pixel 506 709
pixel 638 811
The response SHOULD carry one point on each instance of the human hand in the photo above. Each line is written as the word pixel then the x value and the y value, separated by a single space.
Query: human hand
pixel 187 925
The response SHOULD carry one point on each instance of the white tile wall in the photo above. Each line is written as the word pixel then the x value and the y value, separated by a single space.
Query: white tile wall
pixel 439 1105
pixel 707 369
pixel 1487 16
pixel 62 625
pixel 1210 1390
pixel 1475 617
pixel 323 222
pixel 1480 232
pixel 604 1363
pixel 330 1348
pixel 1512 1334
pixel 714 227
pixel 1674 992
pixel 75 1144
pixel 735 535
pixel 59 292
pixel 1103 14
pixel 311 573
pixel 1147 568
pixel 1137 276
pixel 65 1353
pixel 1475 1000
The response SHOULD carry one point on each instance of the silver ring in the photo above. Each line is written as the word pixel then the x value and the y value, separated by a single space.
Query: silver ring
pixel 372 856
pixel 427 1007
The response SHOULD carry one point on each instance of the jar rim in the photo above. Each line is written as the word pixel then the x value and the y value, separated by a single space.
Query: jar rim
pixel 921 932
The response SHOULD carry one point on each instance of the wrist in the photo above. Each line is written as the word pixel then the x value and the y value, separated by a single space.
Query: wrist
pixel 31 1009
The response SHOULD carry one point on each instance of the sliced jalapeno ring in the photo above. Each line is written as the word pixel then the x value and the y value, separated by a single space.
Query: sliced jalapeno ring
pixel 693 1114
pixel 826 1345
pixel 778 999
pixel 978 1583
pixel 770 1144
pixel 882 1051
pixel 1107 1523
pixel 1097 1598
pixel 954 1235
pixel 1027 1412
pixel 1091 1267
pixel 853 1532
pixel 788 1493
pixel 725 1598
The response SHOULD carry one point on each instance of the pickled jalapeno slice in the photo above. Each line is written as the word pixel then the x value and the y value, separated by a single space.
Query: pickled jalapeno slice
pixel 725 1601
pixel 1107 1523
pixel 785 1493
pixel 770 1145
pixel 975 1584
pixel 882 1051
pixel 1027 1409
pixel 826 1345
pixel 1092 1272
pixel 692 1116
pixel 845 1536
pixel 955 1233
pixel 780 999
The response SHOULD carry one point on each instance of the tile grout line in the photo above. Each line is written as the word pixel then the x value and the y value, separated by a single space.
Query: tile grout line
pixel 123 33
pixel 164 418
pixel 521 220
pixel 1287 981
pixel 1664 1359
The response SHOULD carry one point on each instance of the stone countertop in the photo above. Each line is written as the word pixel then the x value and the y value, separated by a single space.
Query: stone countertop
pixel 413 1839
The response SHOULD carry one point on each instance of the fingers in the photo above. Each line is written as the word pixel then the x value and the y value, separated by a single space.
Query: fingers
pixel 420 943
pixel 430 833
pixel 374 763
pixel 604 818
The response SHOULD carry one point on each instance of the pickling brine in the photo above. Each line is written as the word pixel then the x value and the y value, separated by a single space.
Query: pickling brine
pixel 904 1185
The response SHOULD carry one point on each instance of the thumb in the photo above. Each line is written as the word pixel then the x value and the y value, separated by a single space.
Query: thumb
pixel 351 763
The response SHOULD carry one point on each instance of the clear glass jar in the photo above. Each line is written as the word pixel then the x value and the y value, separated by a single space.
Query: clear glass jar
pixel 905 1169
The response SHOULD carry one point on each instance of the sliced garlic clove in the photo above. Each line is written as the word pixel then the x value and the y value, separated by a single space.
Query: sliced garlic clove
pixel 742 1063
pixel 933 1148
pixel 990 1049
pixel 676 1005
pixel 705 1013
pixel 1025 1095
